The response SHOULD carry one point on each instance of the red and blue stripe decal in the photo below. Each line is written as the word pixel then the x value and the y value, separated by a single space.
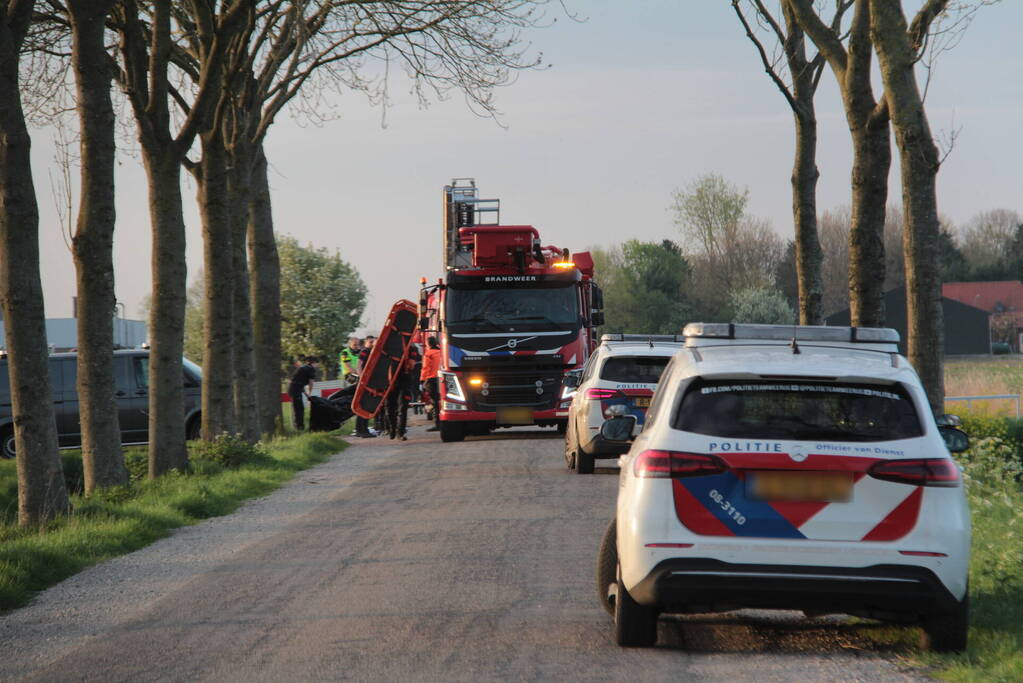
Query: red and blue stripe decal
pixel 718 505
pixel 723 497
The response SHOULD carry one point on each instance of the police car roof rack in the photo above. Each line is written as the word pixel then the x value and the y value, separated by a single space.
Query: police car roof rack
pixel 643 338
pixel 802 333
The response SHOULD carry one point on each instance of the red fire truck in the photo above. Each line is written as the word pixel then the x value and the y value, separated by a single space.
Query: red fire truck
pixel 513 317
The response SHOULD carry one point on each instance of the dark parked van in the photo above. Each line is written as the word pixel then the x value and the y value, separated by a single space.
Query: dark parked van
pixel 131 373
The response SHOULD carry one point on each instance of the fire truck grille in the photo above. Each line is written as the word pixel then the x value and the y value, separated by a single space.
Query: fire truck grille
pixel 533 390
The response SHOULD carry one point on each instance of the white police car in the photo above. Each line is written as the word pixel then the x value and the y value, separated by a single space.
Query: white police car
pixel 622 371
pixel 779 474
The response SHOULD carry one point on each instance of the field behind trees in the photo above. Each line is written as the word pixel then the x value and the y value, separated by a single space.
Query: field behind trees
pixel 984 376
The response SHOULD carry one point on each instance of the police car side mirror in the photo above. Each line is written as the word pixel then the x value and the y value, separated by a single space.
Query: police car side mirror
pixel 956 440
pixel 618 428
pixel 947 420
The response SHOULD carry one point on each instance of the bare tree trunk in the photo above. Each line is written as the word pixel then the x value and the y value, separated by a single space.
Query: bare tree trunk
pixel 146 51
pixel 244 376
pixel 868 124
pixel 872 158
pixel 265 290
pixel 218 414
pixel 42 493
pixel 918 154
pixel 167 448
pixel 804 209
pixel 92 247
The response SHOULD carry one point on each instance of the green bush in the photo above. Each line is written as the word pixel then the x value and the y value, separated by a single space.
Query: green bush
pixel 1007 430
pixel 992 462
pixel 137 462
pixel 229 450
pixel 74 472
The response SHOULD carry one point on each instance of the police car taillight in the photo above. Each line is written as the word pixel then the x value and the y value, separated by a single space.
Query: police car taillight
pixel 598 394
pixel 672 464
pixel 918 472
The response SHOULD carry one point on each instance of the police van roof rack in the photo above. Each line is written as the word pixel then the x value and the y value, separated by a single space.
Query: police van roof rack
pixel 802 333
pixel 643 338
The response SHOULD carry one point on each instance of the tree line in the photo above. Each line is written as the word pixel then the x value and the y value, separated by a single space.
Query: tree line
pixel 203 83
pixel 728 265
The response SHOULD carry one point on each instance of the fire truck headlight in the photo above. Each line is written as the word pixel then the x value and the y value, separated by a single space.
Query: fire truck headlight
pixel 452 387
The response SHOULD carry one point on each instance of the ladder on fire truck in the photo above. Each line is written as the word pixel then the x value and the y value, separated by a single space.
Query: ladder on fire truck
pixel 463 209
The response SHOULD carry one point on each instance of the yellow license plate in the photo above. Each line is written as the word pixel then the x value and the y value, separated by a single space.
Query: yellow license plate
pixel 794 486
pixel 643 402
pixel 514 415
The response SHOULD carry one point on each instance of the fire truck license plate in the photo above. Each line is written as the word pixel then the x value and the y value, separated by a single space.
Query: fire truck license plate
pixel 830 487
pixel 514 415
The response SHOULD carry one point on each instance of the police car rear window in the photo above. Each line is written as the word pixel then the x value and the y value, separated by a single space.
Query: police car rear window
pixel 644 369
pixel 798 410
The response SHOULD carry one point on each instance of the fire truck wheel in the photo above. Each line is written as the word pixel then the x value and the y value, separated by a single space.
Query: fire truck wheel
pixel 451 432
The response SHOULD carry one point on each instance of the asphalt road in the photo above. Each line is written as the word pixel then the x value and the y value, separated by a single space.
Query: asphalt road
pixel 403 561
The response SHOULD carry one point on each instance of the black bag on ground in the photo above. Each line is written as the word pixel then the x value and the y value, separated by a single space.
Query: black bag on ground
pixel 327 415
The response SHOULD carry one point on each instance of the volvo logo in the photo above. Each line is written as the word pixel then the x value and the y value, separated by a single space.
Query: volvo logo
pixel 512 343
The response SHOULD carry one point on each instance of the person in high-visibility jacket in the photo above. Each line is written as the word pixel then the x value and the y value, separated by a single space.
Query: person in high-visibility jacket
pixel 348 358
pixel 430 379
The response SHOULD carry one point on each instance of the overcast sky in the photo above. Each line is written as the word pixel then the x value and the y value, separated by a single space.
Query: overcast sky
pixel 640 98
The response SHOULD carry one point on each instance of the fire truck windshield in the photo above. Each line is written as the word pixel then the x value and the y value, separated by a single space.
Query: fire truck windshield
pixel 531 308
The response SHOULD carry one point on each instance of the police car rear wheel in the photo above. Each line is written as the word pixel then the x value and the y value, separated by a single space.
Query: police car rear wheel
pixel 635 625
pixel 607 565
pixel 583 462
pixel 947 632
pixel 569 451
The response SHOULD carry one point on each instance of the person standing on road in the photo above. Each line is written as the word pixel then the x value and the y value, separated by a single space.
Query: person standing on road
pixel 397 400
pixel 361 423
pixel 430 380
pixel 302 383
pixel 415 393
pixel 348 359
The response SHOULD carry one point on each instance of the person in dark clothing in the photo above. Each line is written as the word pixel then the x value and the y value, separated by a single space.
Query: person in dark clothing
pixel 302 384
pixel 397 401
pixel 430 379
pixel 361 423
pixel 417 369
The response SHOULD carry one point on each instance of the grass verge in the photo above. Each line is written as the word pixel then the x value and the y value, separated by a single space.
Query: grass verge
pixel 122 519
pixel 995 652
pixel 992 472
